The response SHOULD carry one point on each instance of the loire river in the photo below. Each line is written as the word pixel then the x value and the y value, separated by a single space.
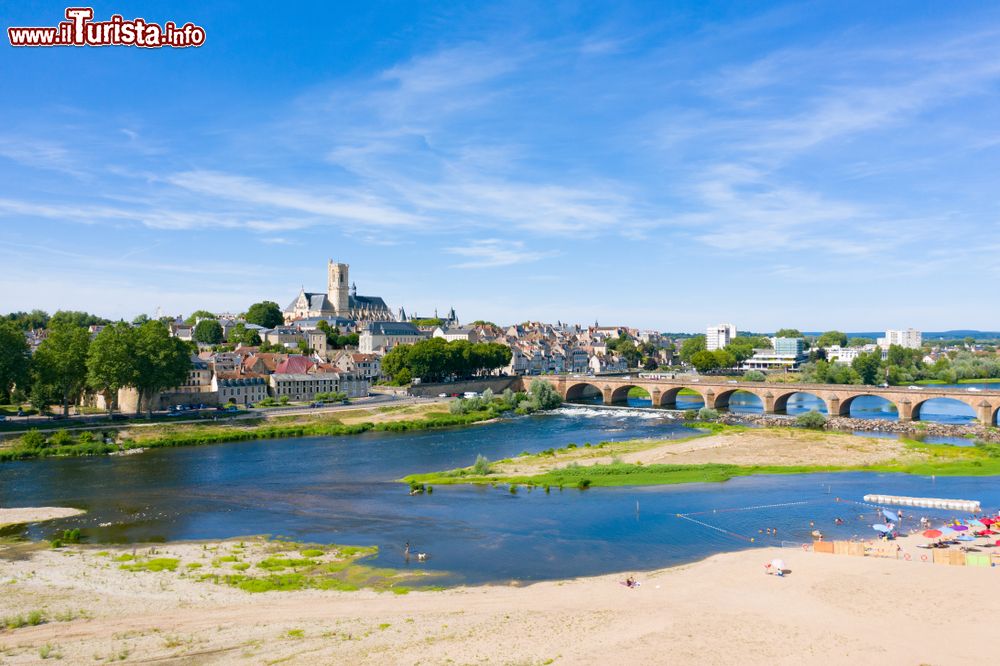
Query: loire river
pixel 343 490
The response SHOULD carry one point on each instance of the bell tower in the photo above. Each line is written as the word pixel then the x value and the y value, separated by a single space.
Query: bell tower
pixel 337 288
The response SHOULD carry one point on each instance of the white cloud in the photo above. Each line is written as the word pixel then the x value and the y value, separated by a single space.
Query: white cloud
pixel 493 252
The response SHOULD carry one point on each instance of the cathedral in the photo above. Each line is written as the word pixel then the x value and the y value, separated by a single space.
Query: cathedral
pixel 338 301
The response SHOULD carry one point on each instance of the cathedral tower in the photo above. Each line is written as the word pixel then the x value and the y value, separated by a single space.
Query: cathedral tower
pixel 337 288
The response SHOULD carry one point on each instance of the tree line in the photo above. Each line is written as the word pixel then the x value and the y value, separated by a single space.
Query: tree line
pixel 69 363
pixel 435 360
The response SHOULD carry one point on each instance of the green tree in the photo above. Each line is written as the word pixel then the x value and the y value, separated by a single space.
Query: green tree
pixel 76 318
pixel 199 314
pixel 544 394
pixel 868 366
pixel 265 313
pixel 859 342
pixel 724 359
pixel 140 319
pixel 15 358
pixel 29 321
pixel 832 338
pixel 788 333
pixel 704 361
pixel 208 332
pixel 161 361
pixel 241 335
pixel 110 361
pixel 691 346
pixel 741 349
pixel 60 363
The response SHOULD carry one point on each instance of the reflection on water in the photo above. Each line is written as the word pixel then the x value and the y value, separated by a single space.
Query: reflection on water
pixel 343 489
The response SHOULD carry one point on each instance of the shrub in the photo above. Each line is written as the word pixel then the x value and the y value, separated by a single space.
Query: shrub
pixel 482 466
pixel 813 420
pixel 583 484
pixel 33 440
pixel 708 414
pixel 754 376
pixel 60 438
pixel 690 414
pixel 283 400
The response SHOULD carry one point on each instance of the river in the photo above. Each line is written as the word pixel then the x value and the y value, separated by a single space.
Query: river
pixel 343 490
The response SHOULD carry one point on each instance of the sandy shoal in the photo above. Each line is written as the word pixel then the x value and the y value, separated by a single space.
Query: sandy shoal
pixel 771 446
pixel 723 610
pixel 35 514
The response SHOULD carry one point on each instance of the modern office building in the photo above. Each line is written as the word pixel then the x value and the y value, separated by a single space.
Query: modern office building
pixel 717 337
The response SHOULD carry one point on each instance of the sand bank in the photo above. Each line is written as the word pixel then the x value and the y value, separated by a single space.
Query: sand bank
pixel 35 514
pixel 723 610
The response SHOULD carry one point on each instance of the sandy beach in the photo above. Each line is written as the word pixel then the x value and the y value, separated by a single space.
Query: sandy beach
pixel 722 610
pixel 758 446
pixel 35 514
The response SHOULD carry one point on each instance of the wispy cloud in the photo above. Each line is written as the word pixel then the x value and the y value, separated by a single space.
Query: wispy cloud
pixel 493 252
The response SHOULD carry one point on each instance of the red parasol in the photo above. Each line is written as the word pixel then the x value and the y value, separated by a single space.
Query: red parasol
pixel 932 534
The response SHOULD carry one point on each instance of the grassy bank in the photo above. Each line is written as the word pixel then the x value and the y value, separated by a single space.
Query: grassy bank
pixel 925 460
pixel 64 444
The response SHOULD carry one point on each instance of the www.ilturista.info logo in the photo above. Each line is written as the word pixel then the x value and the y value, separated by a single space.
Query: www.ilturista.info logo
pixel 81 30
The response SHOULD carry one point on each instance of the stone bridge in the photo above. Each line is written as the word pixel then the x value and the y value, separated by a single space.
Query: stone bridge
pixel 774 397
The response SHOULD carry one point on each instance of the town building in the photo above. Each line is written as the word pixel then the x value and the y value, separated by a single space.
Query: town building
pixel 719 336
pixel 910 338
pixel 306 386
pixel 366 366
pixel 379 337
pixel 837 354
pixel 239 389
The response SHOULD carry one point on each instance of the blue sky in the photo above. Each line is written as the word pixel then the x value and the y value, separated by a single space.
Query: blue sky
pixel 663 165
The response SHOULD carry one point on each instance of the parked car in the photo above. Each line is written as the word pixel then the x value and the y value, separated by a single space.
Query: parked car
pixel 442 395
pixel 973 388
pixel 915 388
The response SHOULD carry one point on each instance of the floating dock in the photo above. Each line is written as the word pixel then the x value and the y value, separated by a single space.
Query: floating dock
pixel 969 506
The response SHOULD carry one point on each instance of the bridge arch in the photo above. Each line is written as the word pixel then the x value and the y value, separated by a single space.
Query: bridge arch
pixel 669 397
pixel 817 402
pixel 845 404
pixel 922 411
pixel 583 390
pixel 722 400
pixel 620 394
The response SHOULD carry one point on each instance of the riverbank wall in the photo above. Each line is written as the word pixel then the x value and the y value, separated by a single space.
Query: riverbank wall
pixel 496 384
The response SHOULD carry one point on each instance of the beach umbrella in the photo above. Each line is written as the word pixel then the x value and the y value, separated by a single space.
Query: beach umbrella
pixel 882 528
pixel 965 537
pixel 932 534
pixel 888 514
pixel 976 523
pixel 987 521
pixel 959 528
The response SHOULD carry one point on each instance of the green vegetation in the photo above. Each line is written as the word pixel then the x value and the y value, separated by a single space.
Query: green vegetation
pixel 435 359
pixel 812 420
pixel 32 619
pixel 754 376
pixel 155 564
pixel 540 396
pixel 265 313
pixel 35 444
pixel 208 331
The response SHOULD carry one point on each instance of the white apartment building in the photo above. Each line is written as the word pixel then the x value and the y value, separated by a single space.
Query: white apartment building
pixel 838 354
pixel 910 338
pixel 717 337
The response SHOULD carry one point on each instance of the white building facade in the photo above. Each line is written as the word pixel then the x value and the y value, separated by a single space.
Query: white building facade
pixel 910 339
pixel 717 337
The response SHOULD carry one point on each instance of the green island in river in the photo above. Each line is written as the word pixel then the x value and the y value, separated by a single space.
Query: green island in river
pixel 719 453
